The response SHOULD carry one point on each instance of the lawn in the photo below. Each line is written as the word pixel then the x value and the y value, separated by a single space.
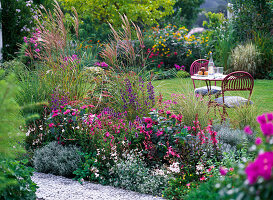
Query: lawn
pixel 262 94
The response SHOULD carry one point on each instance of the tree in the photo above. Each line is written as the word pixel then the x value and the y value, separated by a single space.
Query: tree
pixel 139 11
pixel 188 10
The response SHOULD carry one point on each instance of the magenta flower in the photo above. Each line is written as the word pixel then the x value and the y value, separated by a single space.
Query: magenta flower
pixel 168 112
pixel 51 125
pixel 66 112
pixel 107 134
pixel 267 129
pixel 148 120
pixel 173 116
pixel 248 130
pixel 223 171
pixel 270 116
pixel 37 50
pixel 261 119
pixel 262 166
pixel 258 141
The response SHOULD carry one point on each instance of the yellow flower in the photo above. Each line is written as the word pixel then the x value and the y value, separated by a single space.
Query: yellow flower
pixel 164 40
pixel 159 42
pixel 160 37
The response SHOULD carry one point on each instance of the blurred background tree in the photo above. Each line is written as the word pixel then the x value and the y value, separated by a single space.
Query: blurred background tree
pixel 17 22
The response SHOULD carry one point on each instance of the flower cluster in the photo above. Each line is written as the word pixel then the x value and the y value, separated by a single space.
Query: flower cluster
pixel 137 99
pixel 102 64
pixel 179 67
pixel 262 166
pixel 34 45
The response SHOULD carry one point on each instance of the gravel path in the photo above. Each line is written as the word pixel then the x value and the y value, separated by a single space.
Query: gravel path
pixel 53 187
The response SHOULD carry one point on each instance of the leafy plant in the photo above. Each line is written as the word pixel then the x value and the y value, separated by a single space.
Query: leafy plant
pixel 57 159
pixel 16 181
pixel 182 74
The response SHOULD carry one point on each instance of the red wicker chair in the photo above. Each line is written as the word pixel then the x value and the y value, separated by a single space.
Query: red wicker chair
pixel 235 81
pixel 195 67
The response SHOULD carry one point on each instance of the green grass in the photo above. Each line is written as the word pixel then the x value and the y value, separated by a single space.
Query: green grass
pixel 262 95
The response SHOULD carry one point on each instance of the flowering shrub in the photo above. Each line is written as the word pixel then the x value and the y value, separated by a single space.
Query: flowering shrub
pixel 174 46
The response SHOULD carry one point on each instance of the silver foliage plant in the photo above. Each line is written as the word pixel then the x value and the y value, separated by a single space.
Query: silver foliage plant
pixel 232 139
pixel 57 159
pixel 133 174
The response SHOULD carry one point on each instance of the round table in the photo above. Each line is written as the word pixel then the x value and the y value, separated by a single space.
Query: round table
pixel 208 79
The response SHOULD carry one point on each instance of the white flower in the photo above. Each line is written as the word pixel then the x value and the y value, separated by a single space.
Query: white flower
pixel 199 167
pixel 174 167
pixel 18 10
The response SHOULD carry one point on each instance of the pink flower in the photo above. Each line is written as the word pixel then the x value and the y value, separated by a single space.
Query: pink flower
pixel 262 166
pixel 148 120
pixel 188 185
pixel 248 130
pixel 66 112
pixel 202 178
pixel 55 114
pixel 175 53
pixel 83 107
pixel 168 112
pixel 223 171
pixel 231 169
pixel 158 66
pixel 261 119
pixel 161 63
pixel 73 114
pixel 37 50
pixel 107 134
pixel 51 125
pixel 270 116
pixel 267 129
pixel 173 116
pixel 258 141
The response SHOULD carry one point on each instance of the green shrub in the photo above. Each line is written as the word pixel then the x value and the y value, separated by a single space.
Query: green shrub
pixel 20 185
pixel 57 159
pixel 182 74
pixel 264 43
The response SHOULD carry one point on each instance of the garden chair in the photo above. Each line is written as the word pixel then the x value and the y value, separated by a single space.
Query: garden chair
pixel 195 67
pixel 235 81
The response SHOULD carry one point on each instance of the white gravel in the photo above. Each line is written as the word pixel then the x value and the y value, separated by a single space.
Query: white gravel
pixel 53 187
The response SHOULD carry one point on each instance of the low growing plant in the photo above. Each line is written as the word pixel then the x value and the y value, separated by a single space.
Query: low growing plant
pixel 57 159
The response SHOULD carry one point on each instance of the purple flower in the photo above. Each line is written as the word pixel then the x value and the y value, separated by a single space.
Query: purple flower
pixel 248 130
